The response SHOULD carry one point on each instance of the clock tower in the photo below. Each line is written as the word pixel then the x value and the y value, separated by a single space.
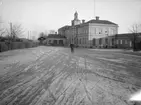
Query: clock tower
pixel 75 21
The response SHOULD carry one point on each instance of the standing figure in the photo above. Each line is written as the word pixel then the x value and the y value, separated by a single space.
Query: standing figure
pixel 72 47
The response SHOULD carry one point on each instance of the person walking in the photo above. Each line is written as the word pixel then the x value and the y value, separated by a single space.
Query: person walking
pixel 72 48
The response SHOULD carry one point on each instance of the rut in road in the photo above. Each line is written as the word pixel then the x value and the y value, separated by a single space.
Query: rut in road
pixel 59 78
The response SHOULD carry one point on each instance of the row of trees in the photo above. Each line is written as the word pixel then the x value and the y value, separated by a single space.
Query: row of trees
pixel 10 38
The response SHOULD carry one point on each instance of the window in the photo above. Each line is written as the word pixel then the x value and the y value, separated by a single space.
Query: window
pixel 100 30
pixel 86 31
pixel 83 40
pixel 117 41
pixel 105 32
pixel 112 41
pixel 125 41
pixel 100 41
pixel 120 41
pixel 94 41
pixel 130 44
pixel 49 41
pixel 97 31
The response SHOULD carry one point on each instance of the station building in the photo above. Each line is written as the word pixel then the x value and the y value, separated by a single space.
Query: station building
pixel 90 33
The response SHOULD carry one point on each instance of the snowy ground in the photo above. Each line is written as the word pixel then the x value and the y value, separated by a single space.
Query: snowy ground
pixel 54 76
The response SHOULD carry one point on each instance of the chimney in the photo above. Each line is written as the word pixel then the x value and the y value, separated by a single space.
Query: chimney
pixel 83 21
pixel 97 17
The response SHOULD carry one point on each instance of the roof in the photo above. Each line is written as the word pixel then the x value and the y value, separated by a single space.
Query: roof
pixel 127 34
pixel 55 36
pixel 90 21
pixel 65 27
pixel 101 22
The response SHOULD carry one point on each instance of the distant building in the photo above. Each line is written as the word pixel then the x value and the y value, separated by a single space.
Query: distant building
pixel 124 40
pixel 87 34
pixel 55 40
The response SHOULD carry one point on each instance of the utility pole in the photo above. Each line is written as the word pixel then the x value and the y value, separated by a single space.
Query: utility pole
pixel 28 35
pixel 10 36
pixel 94 9
pixel 11 30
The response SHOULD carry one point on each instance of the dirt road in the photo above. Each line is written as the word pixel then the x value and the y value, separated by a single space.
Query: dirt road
pixel 54 76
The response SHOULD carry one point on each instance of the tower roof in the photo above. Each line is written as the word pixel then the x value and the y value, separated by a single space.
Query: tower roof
pixel 76 12
pixel 76 16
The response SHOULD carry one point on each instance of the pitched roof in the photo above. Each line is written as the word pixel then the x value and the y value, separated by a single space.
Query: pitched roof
pixel 55 36
pixel 101 22
pixel 65 27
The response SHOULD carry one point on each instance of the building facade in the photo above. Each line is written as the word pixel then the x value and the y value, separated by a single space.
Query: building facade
pixel 88 34
pixel 55 40
pixel 122 41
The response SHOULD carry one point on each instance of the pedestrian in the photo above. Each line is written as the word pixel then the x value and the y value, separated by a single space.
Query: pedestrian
pixel 72 48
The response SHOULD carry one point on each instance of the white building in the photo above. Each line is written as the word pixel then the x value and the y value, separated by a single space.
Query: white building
pixel 88 34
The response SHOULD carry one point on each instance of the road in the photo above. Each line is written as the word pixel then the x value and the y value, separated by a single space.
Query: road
pixel 54 76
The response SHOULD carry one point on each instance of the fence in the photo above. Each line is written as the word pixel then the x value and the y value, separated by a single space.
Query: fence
pixel 16 45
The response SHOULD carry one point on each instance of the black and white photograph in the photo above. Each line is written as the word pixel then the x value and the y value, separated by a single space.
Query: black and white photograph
pixel 70 52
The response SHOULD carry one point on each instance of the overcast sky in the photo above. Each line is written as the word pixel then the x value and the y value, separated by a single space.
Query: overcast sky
pixel 43 15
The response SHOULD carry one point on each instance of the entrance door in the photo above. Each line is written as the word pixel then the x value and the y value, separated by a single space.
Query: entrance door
pixel 55 42
pixel 60 42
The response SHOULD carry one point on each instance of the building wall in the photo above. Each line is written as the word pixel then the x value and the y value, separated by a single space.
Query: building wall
pixel 123 42
pixel 82 35
pixel 83 31
pixel 120 41
pixel 49 41
pixel 99 32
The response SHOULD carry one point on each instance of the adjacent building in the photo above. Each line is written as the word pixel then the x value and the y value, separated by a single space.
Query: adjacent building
pixel 55 40
pixel 88 34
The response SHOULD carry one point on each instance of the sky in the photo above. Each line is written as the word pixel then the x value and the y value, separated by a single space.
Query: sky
pixel 41 15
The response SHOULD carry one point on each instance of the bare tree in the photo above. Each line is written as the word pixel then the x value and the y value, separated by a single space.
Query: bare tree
pixel 42 37
pixel 13 33
pixel 52 31
pixel 17 31
pixel 135 30
pixel 2 31
pixel 41 34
